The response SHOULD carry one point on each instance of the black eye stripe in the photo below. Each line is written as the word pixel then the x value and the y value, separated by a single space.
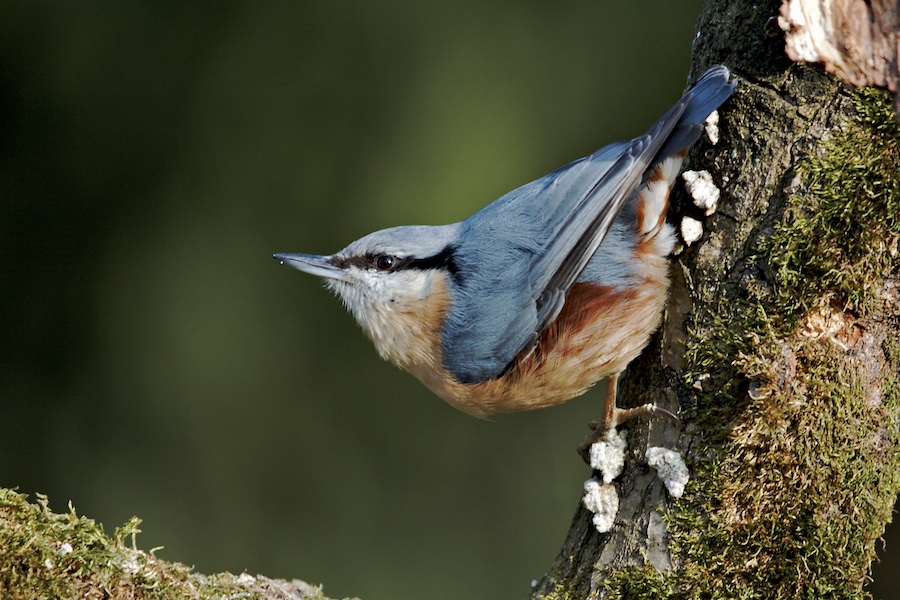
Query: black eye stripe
pixel 375 262
pixel 345 262
pixel 442 260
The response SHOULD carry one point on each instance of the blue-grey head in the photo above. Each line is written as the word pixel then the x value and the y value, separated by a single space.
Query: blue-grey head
pixel 394 282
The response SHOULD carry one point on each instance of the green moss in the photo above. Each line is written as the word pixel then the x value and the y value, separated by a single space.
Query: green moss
pixel 636 582
pixel 812 435
pixel 49 555
pixel 842 233
pixel 788 501
pixel 891 349
pixel 796 501
pixel 710 365
pixel 559 592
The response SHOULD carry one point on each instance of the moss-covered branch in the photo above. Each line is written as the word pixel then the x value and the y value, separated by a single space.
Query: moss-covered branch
pixel 48 555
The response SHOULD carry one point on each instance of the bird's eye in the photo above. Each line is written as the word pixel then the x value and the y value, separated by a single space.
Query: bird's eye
pixel 385 262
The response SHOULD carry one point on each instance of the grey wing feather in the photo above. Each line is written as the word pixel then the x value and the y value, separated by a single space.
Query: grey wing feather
pixel 583 231
pixel 495 305
pixel 523 252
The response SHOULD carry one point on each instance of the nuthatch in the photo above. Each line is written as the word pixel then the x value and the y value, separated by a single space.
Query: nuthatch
pixel 540 294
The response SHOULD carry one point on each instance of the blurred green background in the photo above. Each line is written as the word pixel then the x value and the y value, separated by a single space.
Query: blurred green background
pixel 154 360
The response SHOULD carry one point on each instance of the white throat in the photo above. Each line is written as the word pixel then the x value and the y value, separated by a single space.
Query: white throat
pixel 401 312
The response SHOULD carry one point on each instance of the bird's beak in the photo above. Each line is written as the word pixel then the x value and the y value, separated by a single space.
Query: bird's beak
pixel 312 264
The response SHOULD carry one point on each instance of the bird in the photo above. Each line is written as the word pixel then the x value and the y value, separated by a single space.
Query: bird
pixel 542 293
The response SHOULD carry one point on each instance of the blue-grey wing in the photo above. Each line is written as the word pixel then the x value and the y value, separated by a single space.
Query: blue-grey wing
pixel 522 253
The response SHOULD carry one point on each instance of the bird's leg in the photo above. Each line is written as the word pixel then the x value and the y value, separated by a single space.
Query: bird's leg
pixel 613 416
pixel 610 410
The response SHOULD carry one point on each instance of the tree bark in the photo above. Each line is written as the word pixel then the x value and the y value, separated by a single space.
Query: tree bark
pixel 779 350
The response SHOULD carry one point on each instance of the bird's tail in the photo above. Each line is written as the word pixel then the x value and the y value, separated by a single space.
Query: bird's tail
pixel 652 203
pixel 710 91
pixel 705 96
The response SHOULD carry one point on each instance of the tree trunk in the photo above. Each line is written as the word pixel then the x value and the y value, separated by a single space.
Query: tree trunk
pixel 779 350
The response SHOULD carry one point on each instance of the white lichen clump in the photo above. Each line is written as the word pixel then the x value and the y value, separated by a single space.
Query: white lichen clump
pixel 130 566
pixel 691 230
pixel 670 468
pixel 711 125
pixel 602 500
pixel 704 193
pixel 600 497
pixel 608 455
